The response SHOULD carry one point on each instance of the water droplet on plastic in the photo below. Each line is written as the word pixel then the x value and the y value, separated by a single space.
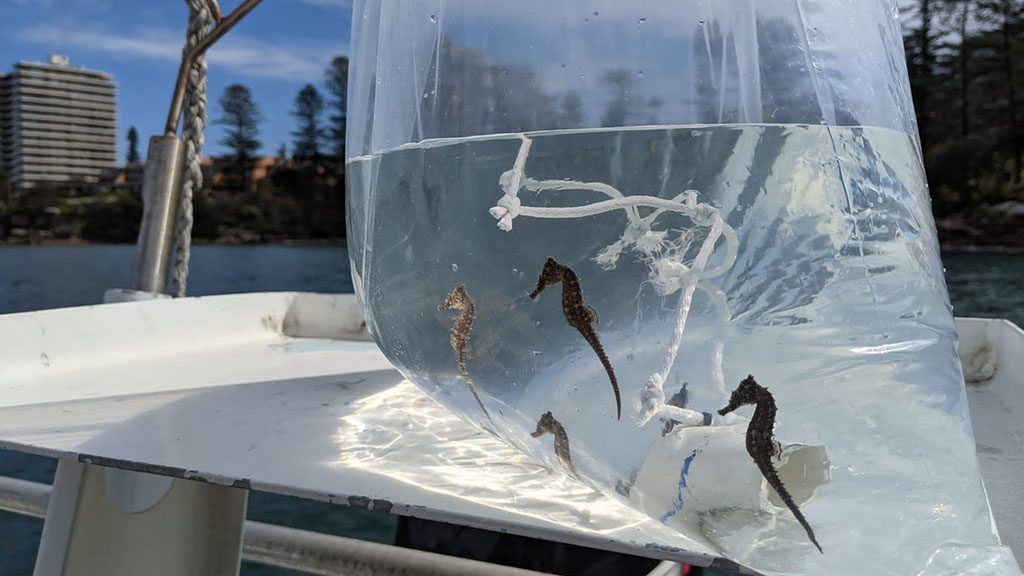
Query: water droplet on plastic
pixel 700 23
pixel 433 18
pixel 455 267
pixel 537 323
pixel 639 72
pixel 535 353
pixel 515 270
pixel 577 410
pixel 596 13
pixel 642 20
pixel 575 389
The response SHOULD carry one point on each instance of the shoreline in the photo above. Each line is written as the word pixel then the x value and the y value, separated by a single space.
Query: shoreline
pixel 984 250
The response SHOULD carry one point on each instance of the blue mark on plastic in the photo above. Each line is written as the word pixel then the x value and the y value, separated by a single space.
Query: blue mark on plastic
pixel 678 505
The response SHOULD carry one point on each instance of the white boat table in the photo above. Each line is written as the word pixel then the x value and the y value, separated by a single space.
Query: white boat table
pixel 282 392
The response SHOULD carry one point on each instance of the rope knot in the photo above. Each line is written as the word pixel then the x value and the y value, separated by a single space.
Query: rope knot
pixel 690 199
pixel 652 398
pixel 506 211
pixel 704 215
pixel 510 182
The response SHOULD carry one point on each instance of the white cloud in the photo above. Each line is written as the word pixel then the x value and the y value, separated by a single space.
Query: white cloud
pixel 154 44
pixel 244 55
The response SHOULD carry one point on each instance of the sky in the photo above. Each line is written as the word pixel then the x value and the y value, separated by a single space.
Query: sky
pixel 275 50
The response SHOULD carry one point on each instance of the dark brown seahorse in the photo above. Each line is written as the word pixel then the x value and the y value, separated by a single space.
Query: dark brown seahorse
pixel 548 425
pixel 578 314
pixel 459 300
pixel 761 444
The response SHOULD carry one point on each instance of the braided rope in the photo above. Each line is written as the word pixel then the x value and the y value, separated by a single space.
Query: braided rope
pixel 200 20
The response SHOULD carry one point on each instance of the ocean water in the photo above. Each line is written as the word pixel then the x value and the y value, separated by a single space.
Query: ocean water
pixel 803 255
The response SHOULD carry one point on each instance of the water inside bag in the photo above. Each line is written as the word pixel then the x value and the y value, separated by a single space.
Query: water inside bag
pixel 834 300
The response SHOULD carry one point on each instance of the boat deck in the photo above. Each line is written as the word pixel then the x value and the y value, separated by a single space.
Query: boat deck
pixel 282 392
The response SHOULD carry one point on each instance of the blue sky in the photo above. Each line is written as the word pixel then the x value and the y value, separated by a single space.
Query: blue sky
pixel 275 50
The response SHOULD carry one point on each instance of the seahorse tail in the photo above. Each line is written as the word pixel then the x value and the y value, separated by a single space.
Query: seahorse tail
pixel 773 479
pixel 469 383
pixel 611 376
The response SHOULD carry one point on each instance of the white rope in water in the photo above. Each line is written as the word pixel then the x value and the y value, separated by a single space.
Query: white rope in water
pixel 652 397
pixel 511 181
pixel 200 20
pixel 667 275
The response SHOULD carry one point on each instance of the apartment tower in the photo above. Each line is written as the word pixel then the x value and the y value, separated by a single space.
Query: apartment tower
pixel 58 124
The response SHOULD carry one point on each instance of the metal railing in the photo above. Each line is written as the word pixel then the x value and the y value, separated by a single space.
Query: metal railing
pixel 303 550
pixel 310 552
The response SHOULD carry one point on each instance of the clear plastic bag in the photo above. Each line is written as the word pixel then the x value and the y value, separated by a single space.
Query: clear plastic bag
pixel 581 224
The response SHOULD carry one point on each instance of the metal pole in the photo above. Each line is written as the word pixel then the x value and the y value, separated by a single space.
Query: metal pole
pixel 161 191
pixel 24 497
pixel 310 552
pixel 224 24
pixel 328 555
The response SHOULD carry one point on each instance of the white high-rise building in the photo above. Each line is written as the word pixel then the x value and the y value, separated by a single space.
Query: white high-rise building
pixel 58 123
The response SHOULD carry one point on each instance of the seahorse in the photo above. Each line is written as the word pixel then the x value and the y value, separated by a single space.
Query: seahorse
pixel 459 300
pixel 577 314
pixel 548 425
pixel 761 444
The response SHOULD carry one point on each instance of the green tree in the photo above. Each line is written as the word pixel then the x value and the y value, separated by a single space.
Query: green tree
pixel 996 45
pixel 570 114
pixel 242 117
pixel 309 105
pixel 133 146
pixel 1010 16
pixel 921 58
pixel 337 89
pixel 966 65
pixel 620 108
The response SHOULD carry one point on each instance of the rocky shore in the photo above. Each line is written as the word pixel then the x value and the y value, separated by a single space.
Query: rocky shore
pixel 992 229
